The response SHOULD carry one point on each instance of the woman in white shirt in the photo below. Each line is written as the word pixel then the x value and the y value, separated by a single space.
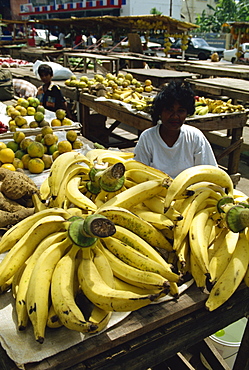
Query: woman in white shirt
pixel 171 145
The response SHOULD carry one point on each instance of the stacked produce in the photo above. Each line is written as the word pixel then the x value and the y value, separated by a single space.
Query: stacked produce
pixel 16 193
pixel 112 234
pixel 36 155
pixel 7 62
pixel 108 83
pixel 32 107
pixel 207 105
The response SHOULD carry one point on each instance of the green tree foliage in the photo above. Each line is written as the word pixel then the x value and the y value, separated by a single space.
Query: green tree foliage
pixel 225 11
pixel 155 11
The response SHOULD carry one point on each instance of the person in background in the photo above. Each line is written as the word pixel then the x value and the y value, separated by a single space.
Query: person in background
pixel 78 41
pixel 61 39
pixel 171 145
pixel 91 40
pixel 50 94
pixel 24 89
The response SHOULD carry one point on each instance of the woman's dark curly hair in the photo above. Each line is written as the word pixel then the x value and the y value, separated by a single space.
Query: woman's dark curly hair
pixel 171 93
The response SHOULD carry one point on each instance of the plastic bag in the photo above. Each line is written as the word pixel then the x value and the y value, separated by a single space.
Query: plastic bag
pixel 59 72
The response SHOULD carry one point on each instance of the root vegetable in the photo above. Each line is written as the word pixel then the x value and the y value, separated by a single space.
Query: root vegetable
pixel 8 218
pixel 16 185
pixel 9 205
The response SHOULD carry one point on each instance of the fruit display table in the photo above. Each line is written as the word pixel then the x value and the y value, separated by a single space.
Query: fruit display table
pixel 151 335
pixel 235 88
pixel 158 77
pixel 33 54
pixel 85 58
pixel 214 71
pixel 93 126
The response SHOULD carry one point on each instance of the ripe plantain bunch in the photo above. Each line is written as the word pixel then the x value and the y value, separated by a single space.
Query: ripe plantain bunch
pixel 112 234
pixel 207 105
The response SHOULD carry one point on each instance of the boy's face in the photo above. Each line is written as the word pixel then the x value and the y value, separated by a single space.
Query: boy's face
pixel 46 78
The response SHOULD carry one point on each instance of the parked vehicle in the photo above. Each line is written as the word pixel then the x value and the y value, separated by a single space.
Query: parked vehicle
pixel 41 38
pixel 150 45
pixel 230 54
pixel 197 48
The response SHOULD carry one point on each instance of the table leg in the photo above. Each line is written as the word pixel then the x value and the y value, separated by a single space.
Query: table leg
pixel 84 120
pixel 234 157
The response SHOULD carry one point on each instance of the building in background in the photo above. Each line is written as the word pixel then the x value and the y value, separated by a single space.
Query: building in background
pixel 192 8
pixel 41 9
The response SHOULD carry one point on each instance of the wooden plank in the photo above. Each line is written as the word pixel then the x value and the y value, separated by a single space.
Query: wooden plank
pixel 149 335
pixel 217 71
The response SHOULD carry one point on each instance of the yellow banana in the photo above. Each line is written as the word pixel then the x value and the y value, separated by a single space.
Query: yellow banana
pixel 133 275
pixel 93 154
pixel 196 174
pixel 137 194
pixel 53 320
pixel 133 257
pixel 39 287
pixel 122 217
pixel 222 256
pixel 197 239
pixel 76 197
pixel 132 164
pixel 45 189
pixel 63 294
pixel 15 279
pixel 189 209
pixel 122 285
pixel 59 168
pixel 21 303
pixel 231 277
pixel 158 220
pixel 72 171
pixel 103 266
pixel 27 244
pixel 104 297
pixel 16 232
pixel 139 244
pixel 197 272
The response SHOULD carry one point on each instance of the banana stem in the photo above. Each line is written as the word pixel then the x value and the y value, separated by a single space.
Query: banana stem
pixel 98 225
pixel 112 179
pixel 85 232
pixel 237 218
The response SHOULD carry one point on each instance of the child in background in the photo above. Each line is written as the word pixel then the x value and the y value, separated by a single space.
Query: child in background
pixel 50 94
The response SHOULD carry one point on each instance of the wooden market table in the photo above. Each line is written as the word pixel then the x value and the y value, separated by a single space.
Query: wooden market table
pixel 35 53
pixel 97 131
pixel 71 93
pixel 152 335
pixel 134 59
pixel 214 70
pixel 86 58
pixel 158 76
pixel 234 88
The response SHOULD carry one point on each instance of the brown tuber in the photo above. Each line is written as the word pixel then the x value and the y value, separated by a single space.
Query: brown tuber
pixel 8 218
pixel 16 185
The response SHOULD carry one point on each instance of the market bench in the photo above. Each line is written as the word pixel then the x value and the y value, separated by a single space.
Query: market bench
pixel 215 71
pixel 94 127
pixel 85 58
pixel 151 335
pixel 158 77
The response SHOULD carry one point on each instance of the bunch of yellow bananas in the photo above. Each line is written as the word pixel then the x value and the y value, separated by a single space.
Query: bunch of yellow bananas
pixel 141 231
pixel 206 105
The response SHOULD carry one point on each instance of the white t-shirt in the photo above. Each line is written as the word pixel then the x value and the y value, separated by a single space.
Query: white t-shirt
pixel 61 38
pixel 191 149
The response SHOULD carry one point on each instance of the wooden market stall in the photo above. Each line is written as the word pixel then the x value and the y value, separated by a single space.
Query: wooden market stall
pixel 151 335
pixel 214 70
pixel 126 25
